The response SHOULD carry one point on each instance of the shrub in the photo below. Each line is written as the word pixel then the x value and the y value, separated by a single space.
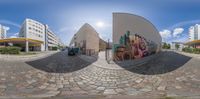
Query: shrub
pixel 191 50
pixel 166 46
pixel 196 50
pixel 10 50
pixel 54 48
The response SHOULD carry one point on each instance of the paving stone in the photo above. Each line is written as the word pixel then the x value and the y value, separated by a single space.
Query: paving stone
pixel 3 86
pixel 132 91
pixel 94 80
pixel 139 80
pixel 100 88
pixel 119 90
pixel 161 88
pixel 42 87
pixel 178 87
pixel 146 89
pixel 109 92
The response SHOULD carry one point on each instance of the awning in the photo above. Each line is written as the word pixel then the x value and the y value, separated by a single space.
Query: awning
pixel 20 40
pixel 193 42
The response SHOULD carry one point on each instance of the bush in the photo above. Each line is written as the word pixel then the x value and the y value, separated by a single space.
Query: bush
pixel 10 50
pixel 54 48
pixel 191 50
pixel 187 49
pixel 166 46
pixel 196 51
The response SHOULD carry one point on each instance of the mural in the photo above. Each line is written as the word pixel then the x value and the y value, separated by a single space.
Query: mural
pixel 133 46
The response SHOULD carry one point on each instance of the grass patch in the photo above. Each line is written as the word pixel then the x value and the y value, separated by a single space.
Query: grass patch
pixel 27 53
pixel 173 98
pixel 10 50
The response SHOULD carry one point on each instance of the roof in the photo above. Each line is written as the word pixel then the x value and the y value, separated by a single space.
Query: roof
pixel 193 42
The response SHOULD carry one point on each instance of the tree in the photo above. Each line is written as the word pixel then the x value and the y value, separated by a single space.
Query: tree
pixel 177 46
pixel 166 46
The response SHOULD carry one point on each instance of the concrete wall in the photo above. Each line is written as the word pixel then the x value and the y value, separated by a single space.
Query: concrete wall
pixel 86 36
pixel 124 21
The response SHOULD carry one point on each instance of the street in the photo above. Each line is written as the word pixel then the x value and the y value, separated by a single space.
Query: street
pixel 171 74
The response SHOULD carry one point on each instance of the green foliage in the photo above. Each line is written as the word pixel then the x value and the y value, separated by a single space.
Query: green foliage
pixel 54 48
pixel 196 50
pixel 187 49
pixel 166 46
pixel 191 50
pixel 10 50
pixel 177 46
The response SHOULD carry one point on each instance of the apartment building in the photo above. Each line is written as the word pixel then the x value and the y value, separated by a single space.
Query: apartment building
pixel 194 32
pixel 33 36
pixel 3 31
pixel 51 39
pixel 35 30
pixel 194 36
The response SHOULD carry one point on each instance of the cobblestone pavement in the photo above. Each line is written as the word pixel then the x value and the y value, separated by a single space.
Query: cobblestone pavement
pixel 171 74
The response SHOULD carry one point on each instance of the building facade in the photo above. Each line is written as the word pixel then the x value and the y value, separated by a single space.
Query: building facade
pixel 194 36
pixel 177 46
pixel 194 32
pixel 35 30
pixel 3 31
pixel 191 33
pixel 86 39
pixel 134 37
pixel 51 40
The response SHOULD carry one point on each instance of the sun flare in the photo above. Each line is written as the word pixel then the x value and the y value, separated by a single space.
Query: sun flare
pixel 100 24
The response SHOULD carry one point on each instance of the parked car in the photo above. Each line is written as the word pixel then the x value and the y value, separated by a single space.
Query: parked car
pixel 71 52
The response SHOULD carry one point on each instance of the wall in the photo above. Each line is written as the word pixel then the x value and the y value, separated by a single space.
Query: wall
pixel 134 37
pixel 87 39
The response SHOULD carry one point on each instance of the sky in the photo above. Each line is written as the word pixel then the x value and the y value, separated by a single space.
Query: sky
pixel 172 18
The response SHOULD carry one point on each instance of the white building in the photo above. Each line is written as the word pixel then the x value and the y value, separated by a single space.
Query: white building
pixel 35 30
pixel 194 32
pixel 180 46
pixel 3 31
pixel 191 33
pixel 51 39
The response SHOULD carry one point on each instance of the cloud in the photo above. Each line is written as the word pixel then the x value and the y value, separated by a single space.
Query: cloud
pixel 165 33
pixel 10 23
pixel 15 35
pixel 177 31
pixel 66 32
pixel 183 23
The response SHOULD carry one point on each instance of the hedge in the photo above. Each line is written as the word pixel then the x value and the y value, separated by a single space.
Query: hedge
pixel 54 48
pixel 191 50
pixel 10 50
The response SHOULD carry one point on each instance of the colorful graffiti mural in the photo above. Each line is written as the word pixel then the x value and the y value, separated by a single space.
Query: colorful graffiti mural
pixel 133 46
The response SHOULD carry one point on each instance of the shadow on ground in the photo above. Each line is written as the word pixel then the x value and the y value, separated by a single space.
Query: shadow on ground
pixel 164 62
pixel 59 63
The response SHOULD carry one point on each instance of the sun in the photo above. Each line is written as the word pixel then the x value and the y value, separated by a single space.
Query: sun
pixel 100 24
